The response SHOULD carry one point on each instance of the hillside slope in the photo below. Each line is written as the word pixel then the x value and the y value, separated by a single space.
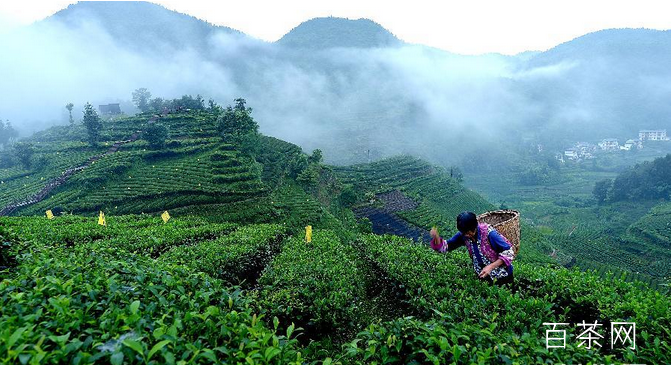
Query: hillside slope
pixel 218 283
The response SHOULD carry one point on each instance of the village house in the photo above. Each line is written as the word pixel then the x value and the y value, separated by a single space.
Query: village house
pixel 109 109
pixel 572 153
pixel 559 157
pixel 652 135
pixel 632 143
pixel 609 144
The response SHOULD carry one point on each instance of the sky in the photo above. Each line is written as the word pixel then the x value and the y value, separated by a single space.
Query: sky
pixel 465 27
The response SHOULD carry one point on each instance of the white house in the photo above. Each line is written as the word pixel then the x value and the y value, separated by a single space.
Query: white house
pixel 653 135
pixel 609 144
pixel 572 153
pixel 632 143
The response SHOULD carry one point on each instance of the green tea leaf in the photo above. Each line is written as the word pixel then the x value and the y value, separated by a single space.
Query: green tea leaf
pixel 134 345
pixel 15 336
pixel 134 306
pixel 117 358
pixel 157 347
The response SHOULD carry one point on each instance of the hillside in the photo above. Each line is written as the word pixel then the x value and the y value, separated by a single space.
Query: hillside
pixel 331 32
pixel 197 173
pixel 623 45
pixel 230 277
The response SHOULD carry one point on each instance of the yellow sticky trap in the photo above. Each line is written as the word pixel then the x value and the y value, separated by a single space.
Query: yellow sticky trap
pixel 308 234
pixel 50 215
pixel 101 219
pixel 165 216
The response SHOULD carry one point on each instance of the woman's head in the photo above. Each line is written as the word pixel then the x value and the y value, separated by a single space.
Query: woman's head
pixel 467 223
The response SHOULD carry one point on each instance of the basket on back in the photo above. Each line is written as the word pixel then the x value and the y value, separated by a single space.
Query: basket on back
pixel 507 222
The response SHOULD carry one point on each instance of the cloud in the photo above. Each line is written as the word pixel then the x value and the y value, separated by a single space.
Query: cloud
pixel 345 101
pixel 49 65
pixel 546 72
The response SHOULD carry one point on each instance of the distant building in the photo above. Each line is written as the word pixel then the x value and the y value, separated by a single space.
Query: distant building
pixel 572 153
pixel 609 144
pixel 109 109
pixel 632 143
pixel 585 148
pixel 652 135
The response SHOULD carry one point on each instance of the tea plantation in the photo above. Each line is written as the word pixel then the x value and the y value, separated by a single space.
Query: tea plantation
pixel 230 278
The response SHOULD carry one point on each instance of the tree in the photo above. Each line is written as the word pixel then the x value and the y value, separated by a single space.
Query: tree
pixel 309 177
pixel 297 164
pixel 316 157
pixel 7 133
pixel 601 190
pixel 156 134
pixel 141 98
pixel 348 196
pixel 69 107
pixel 236 121
pixel 188 102
pixel 24 152
pixel 534 175
pixel 92 123
pixel 214 107
pixel 157 104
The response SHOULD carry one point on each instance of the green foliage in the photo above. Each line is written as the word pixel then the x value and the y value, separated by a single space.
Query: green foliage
pixel 297 165
pixel 7 133
pixel 601 189
pixel 459 319
pixel 317 285
pixel 236 258
pixel 155 135
pixel 157 104
pixel 69 107
pixel 309 177
pixel 92 124
pixel 655 226
pixel 316 157
pixel 96 303
pixel 236 122
pixel 534 176
pixel 24 152
pixel 9 246
pixel 141 98
pixel 185 103
pixel 188 102
pixel 648 180
pixel 348 196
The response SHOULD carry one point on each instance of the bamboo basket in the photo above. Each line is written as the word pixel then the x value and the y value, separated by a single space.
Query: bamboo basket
pixel 506 222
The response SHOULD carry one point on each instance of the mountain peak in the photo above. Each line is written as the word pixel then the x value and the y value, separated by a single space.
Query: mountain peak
pixel 140 24
pixel 331 32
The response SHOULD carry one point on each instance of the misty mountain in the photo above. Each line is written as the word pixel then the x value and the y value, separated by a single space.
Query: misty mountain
pixel 621 45
pixel 609 83
pixel 141 26
pixel 348 87
pixel 321 33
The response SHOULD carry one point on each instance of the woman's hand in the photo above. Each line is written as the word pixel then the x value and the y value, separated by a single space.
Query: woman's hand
pixel 486 271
